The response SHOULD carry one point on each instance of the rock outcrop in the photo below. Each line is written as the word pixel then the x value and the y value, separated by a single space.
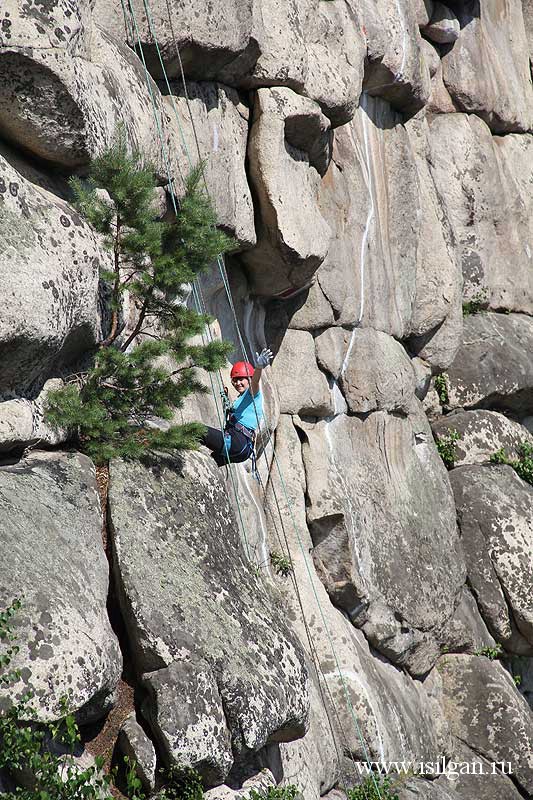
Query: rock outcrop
pixel 374 162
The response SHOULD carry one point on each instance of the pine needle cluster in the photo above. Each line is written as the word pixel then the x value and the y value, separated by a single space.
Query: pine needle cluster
pixel 112 409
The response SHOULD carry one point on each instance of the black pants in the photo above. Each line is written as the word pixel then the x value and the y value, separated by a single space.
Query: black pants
pixel 240 450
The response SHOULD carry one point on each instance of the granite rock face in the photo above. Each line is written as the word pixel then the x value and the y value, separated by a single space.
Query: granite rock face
pixel 362 528
pixel 487 69
pixel 292 237
pixel 50 316
pixel 220 123
pixel 484 709
pixel 482 433
pixel 176 546
pixel 488 208
pixel 53 558
pixel 492 368
pixel 495 510
pixel 313 48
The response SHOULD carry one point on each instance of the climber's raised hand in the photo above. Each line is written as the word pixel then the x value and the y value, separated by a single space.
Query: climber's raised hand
pixel 263 358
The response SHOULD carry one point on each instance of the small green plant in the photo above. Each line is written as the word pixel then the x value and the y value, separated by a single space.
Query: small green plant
pixel 441 387
pixel 288 792
pixel 523 465
pixel 282 564
pixel 476 304
pixel 492 653
pixel 375 787
pixel 447 447
pixel 111 407
pixel 7 637
pixel 133 782
pixel 183 783
pixel 517 680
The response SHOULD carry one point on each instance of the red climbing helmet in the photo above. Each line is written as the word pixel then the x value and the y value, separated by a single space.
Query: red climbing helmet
pixel 242 369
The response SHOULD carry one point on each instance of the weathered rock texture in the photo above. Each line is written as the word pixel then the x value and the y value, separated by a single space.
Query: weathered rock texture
pixel 54 561
pixel 374 162
pixel 495 513
pixel 225 674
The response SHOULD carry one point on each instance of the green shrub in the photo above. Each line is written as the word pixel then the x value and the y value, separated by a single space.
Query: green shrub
pixel 492 653
pixel 282 564
pixel 476 304
pixel 523 465
pixel 110 407
pixel 447 447
pixel 288 792
pixel 441 387
pixel 375 787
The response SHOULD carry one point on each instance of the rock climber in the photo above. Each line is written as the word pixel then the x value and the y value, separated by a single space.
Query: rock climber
pixel 236 442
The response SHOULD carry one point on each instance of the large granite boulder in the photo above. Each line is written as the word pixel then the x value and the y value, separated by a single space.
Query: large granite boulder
pixel 487 69
pixel 53 559
pixel 23 422
pixel 492 368
pixel 495 515
pixel 392 262
pixel 477 203
pixel 481 434
pixel 376 374
pixel 443 26
pixel 396 68
pixel 370 199
pixel 436 321
pixel 51 260
pixel 288 151
pixel 312 47
pixel 377 710
pixel 470 775
pixel 224 673
pixel 63 95
pixel 379 497
pixel 220 134
pixel 485 710
pixel 302 387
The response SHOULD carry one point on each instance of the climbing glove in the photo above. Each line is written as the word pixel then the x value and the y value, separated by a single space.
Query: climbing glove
pixel 263 358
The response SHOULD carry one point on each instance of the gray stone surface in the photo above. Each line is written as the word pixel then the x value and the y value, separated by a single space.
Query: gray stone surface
pixel 396 70
pixel 185 711
pixel 495 515
pixel 484 709
pixel 64 93
pixel 221 126
pixel 362 529
pixel 261 782
pixel 374 221
pixel 476 777
pixel 23 423
pixel 302 387
pixel 492 368
pixel 487 69
pixel 176 545
pixel 288 151
pixel 134 743
pixel 396 716
pixel 376 373
pixel 312 47
pixel 477 202
pixel 443 26
pixel 420 789
pixel 49 279
pixel 482 433
pixel 53 558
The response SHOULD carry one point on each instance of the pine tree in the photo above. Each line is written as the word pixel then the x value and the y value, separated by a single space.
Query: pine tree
pixel 112 406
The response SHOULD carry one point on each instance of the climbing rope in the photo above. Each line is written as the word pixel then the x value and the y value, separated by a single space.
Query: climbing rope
pixel 199 299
